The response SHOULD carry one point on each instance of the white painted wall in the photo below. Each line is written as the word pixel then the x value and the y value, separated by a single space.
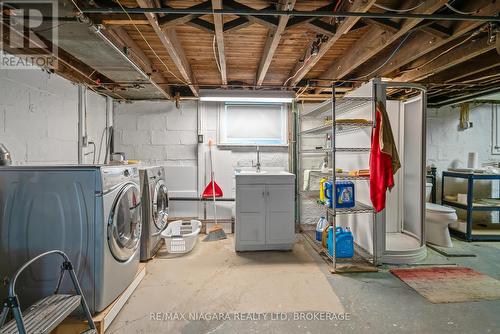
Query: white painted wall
pixel 446 144
pixel 158 133
pixel 39 117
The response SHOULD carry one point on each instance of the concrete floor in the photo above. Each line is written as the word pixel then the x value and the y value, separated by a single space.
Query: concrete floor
pixel 215 279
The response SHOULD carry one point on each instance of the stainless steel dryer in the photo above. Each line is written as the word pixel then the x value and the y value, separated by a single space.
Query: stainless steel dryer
pixel 93 213
pixel 155 209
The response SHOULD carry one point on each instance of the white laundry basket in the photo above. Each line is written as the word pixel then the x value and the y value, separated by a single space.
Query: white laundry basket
pixel 181 235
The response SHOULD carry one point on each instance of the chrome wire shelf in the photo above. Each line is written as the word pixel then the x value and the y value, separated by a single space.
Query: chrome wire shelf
pixel 316 151
pixel 353 149
pixel 340 176
pixel 359 207
pixel 338 149
pixel 341 128
pixel 342 106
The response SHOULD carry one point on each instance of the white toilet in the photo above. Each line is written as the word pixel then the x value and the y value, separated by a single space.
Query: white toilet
pixel 437 219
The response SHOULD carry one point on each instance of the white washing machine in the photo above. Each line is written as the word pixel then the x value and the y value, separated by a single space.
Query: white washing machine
pixel 155 209
pixel 93 213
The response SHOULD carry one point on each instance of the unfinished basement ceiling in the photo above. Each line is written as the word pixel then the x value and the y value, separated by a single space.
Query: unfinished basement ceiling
pixel 183 53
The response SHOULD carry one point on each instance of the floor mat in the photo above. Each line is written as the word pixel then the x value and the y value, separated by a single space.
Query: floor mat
pixel 450 284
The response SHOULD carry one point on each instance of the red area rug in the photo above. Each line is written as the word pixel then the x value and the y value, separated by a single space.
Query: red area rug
pixel 450 284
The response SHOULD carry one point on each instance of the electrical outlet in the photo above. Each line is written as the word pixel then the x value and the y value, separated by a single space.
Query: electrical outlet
pixel 200 139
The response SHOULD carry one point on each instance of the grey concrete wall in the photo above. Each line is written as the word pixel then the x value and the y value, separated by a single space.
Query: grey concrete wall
pixel 39 117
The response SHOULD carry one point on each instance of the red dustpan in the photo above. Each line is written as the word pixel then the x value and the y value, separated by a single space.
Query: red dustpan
pixel 212 189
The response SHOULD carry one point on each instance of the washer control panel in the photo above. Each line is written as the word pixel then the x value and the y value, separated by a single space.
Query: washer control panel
pixel 115 175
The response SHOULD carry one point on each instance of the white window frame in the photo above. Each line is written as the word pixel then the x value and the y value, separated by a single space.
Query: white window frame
pixel 222 139
pixel 495 131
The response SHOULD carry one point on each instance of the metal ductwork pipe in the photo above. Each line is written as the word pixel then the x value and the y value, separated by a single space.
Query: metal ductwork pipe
pixel 82 92
pixel 109 126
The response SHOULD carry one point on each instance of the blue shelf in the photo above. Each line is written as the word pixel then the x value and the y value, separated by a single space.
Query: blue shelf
pixel 470 207
pixel 474 176
pixel 475 207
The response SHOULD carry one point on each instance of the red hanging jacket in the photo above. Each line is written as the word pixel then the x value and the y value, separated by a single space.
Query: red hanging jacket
pixel 383 165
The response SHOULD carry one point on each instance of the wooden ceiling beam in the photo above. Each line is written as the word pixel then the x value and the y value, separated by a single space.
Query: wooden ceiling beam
pixel 175 19
pixel 376 40
pixel 344 27
pixel 437 30
pixel 202 25
pixel 117 19
pixel 219 36
pixel 434 93
pixel 236 24
pixel 268 21
pixel 485 62
pixel 359 25
pixel 272 42
pixel 384 24
pixel 437 94
pixel 464 52
pixel 168 38
pixel 295 21
pixel 322 27
pixel 418 45
pixel 122 22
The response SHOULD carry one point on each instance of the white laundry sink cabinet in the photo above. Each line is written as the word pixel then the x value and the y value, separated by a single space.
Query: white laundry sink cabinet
pixel 264 211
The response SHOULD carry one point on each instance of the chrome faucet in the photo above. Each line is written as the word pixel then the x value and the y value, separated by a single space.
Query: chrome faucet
pixel 258 160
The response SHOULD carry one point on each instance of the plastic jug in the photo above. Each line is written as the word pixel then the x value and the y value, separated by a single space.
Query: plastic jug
pixel 344 194
pixel 324 237
pixel 322 189
pixel 344 243
pixel 322 224
pixel 328 193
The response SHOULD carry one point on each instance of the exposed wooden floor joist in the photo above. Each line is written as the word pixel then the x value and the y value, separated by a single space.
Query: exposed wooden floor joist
pixel 344 27
pixel 292 52
pixel 272 42
pixel 375 41
pixel 169 40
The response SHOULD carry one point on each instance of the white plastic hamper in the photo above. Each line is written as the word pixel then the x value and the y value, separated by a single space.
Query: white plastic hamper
pixel 181 236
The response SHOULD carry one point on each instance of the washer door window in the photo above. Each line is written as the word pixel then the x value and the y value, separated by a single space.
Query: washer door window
pixel 160 206
pixel 124 226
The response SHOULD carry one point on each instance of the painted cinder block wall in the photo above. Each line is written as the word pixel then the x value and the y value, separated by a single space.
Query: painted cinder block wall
pixel 446 144
pixel 39 117
pixel 156 132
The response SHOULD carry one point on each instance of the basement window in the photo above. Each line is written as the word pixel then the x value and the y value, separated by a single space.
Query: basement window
pixel 252 124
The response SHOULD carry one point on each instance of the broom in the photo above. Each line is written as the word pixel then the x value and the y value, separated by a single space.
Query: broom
pixel 213 190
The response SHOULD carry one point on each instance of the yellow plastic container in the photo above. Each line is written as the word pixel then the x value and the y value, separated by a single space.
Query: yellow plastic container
pixel 322 189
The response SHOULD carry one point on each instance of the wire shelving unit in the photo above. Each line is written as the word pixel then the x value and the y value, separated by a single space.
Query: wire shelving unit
pixel 329 111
